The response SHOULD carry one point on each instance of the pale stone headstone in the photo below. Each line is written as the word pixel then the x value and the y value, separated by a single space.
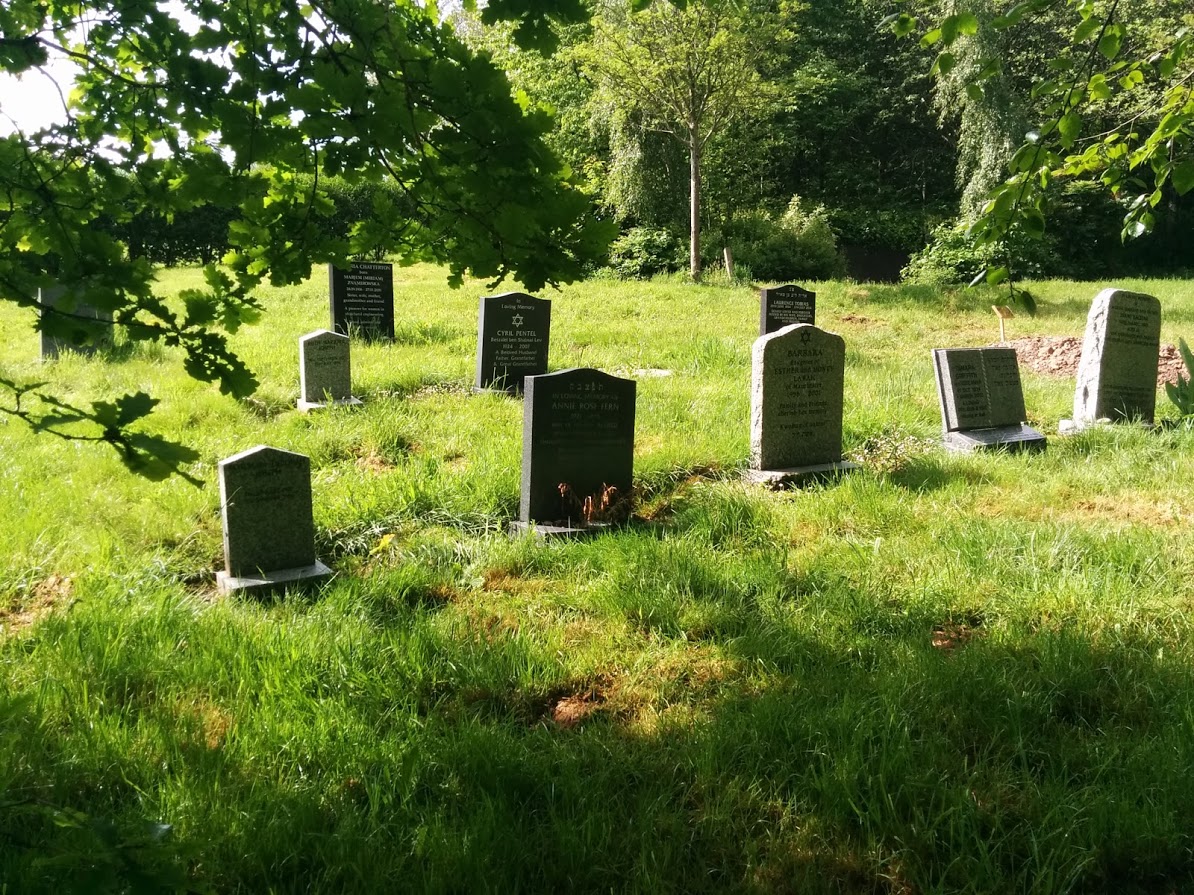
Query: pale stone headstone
pixel 982 400
pixel 269 530
pixel 362 299
pixel 76 333
pixel 577 451
pixel 797 394
pixel 513 332
pixel 781 306
pixel 1117 376
pixel 325 371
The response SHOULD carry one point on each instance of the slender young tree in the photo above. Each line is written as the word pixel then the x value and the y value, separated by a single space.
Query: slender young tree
pixel 686 70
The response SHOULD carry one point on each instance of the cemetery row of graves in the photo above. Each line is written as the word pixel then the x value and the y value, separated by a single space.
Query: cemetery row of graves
pixel 822 612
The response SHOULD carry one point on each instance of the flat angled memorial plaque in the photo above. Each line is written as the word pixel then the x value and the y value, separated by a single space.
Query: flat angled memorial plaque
pixel 513 333
pixel 982 400
pixel 362 300
pixel 781 306
pixel 577 451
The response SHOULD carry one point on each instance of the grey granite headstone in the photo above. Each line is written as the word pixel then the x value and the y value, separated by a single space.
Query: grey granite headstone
pixel 76 332
pixel 325 371
pixel 269 530
pixel 362 300
pixel 982 400
pixel 797 392
pixel 577 451
pixel 1117 376
pixel 781 306
pixel 513 332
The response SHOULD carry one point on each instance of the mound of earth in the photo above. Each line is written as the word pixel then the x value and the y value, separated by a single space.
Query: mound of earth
pixel 1059 356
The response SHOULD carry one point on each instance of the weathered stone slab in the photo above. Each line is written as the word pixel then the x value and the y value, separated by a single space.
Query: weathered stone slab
pixel 86 331
pixel 577 450
pixel 982 400
pixel 1117 376
pixel 269 530
pixel 362 300
pixel 513 334
pixel 796 400
pixel 781 306
pixel 325 371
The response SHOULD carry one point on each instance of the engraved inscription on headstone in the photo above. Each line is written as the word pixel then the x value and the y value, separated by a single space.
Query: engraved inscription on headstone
pixel 982 399
pixel 782 306
pixel 796 401
pixel 577 449
pixel 71 333
pixel 512 340
pixel 362 300
pixel 325 372
pixel 269 531
pixel 1117 376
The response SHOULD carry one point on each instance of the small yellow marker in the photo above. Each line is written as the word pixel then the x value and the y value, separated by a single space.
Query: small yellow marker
pixel 1003 312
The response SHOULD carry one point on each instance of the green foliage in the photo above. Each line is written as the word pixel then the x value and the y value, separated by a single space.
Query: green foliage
pixel 953 257
pixel 1181 393
pixel 799 244
pixel 162 122
pixel 642 252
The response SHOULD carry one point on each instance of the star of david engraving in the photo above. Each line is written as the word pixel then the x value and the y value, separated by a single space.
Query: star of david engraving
pixel 516 320
pixel 806 336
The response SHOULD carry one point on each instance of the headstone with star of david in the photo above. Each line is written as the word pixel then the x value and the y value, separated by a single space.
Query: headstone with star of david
pixel 797 396
pixel 512 340
pixel 781 306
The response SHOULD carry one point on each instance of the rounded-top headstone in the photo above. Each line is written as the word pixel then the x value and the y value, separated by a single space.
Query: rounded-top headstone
pixel 265 495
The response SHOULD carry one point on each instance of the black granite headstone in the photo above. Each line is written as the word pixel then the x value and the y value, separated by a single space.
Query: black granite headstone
pixel 782 306
pixel 363 299
pixel 982 399
pixel 577 449
pixel 513 332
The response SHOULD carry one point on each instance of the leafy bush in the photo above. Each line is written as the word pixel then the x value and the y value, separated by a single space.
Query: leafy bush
pixel 952 257
pixel 642 252
pixel 1181 393
pixel 799 244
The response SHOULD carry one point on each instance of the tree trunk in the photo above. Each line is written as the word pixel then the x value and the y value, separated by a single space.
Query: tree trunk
pixel 694 193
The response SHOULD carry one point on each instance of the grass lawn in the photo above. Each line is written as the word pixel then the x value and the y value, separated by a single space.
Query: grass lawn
pixel 942 673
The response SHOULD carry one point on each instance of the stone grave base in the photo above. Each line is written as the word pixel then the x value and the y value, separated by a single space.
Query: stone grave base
pixel 308 406
pixel 544 532
pixel 1073 427
pixel 1010 438
pixel 268 582
pixel 798 475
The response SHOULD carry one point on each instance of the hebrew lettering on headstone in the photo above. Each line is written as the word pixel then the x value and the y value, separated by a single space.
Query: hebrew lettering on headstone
pixel 781 306
pixel 982 400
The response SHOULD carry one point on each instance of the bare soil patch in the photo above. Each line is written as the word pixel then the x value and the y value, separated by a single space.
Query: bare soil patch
pixel 1059 356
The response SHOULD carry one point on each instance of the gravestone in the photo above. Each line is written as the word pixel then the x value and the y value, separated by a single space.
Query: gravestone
pixel 363 300
pixel 1117 376
pixel 797 392
pixel 577 452
pixel 269 531
pixel 77 333
pixel 782 306
pixel 512 339
pixel 982 400
pixel 325 371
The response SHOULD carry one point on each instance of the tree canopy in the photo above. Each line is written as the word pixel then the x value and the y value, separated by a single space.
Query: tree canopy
pixel 244 106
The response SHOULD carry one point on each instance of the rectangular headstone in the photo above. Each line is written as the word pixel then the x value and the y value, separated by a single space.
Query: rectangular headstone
pixel 982 399
pixel 797 394
pixel 325 371
pixel 577 449
pixel 269 530
pixel 513 332
pixel 75 333
pixel 782 306
pixel 1117 376
pixel 362 299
